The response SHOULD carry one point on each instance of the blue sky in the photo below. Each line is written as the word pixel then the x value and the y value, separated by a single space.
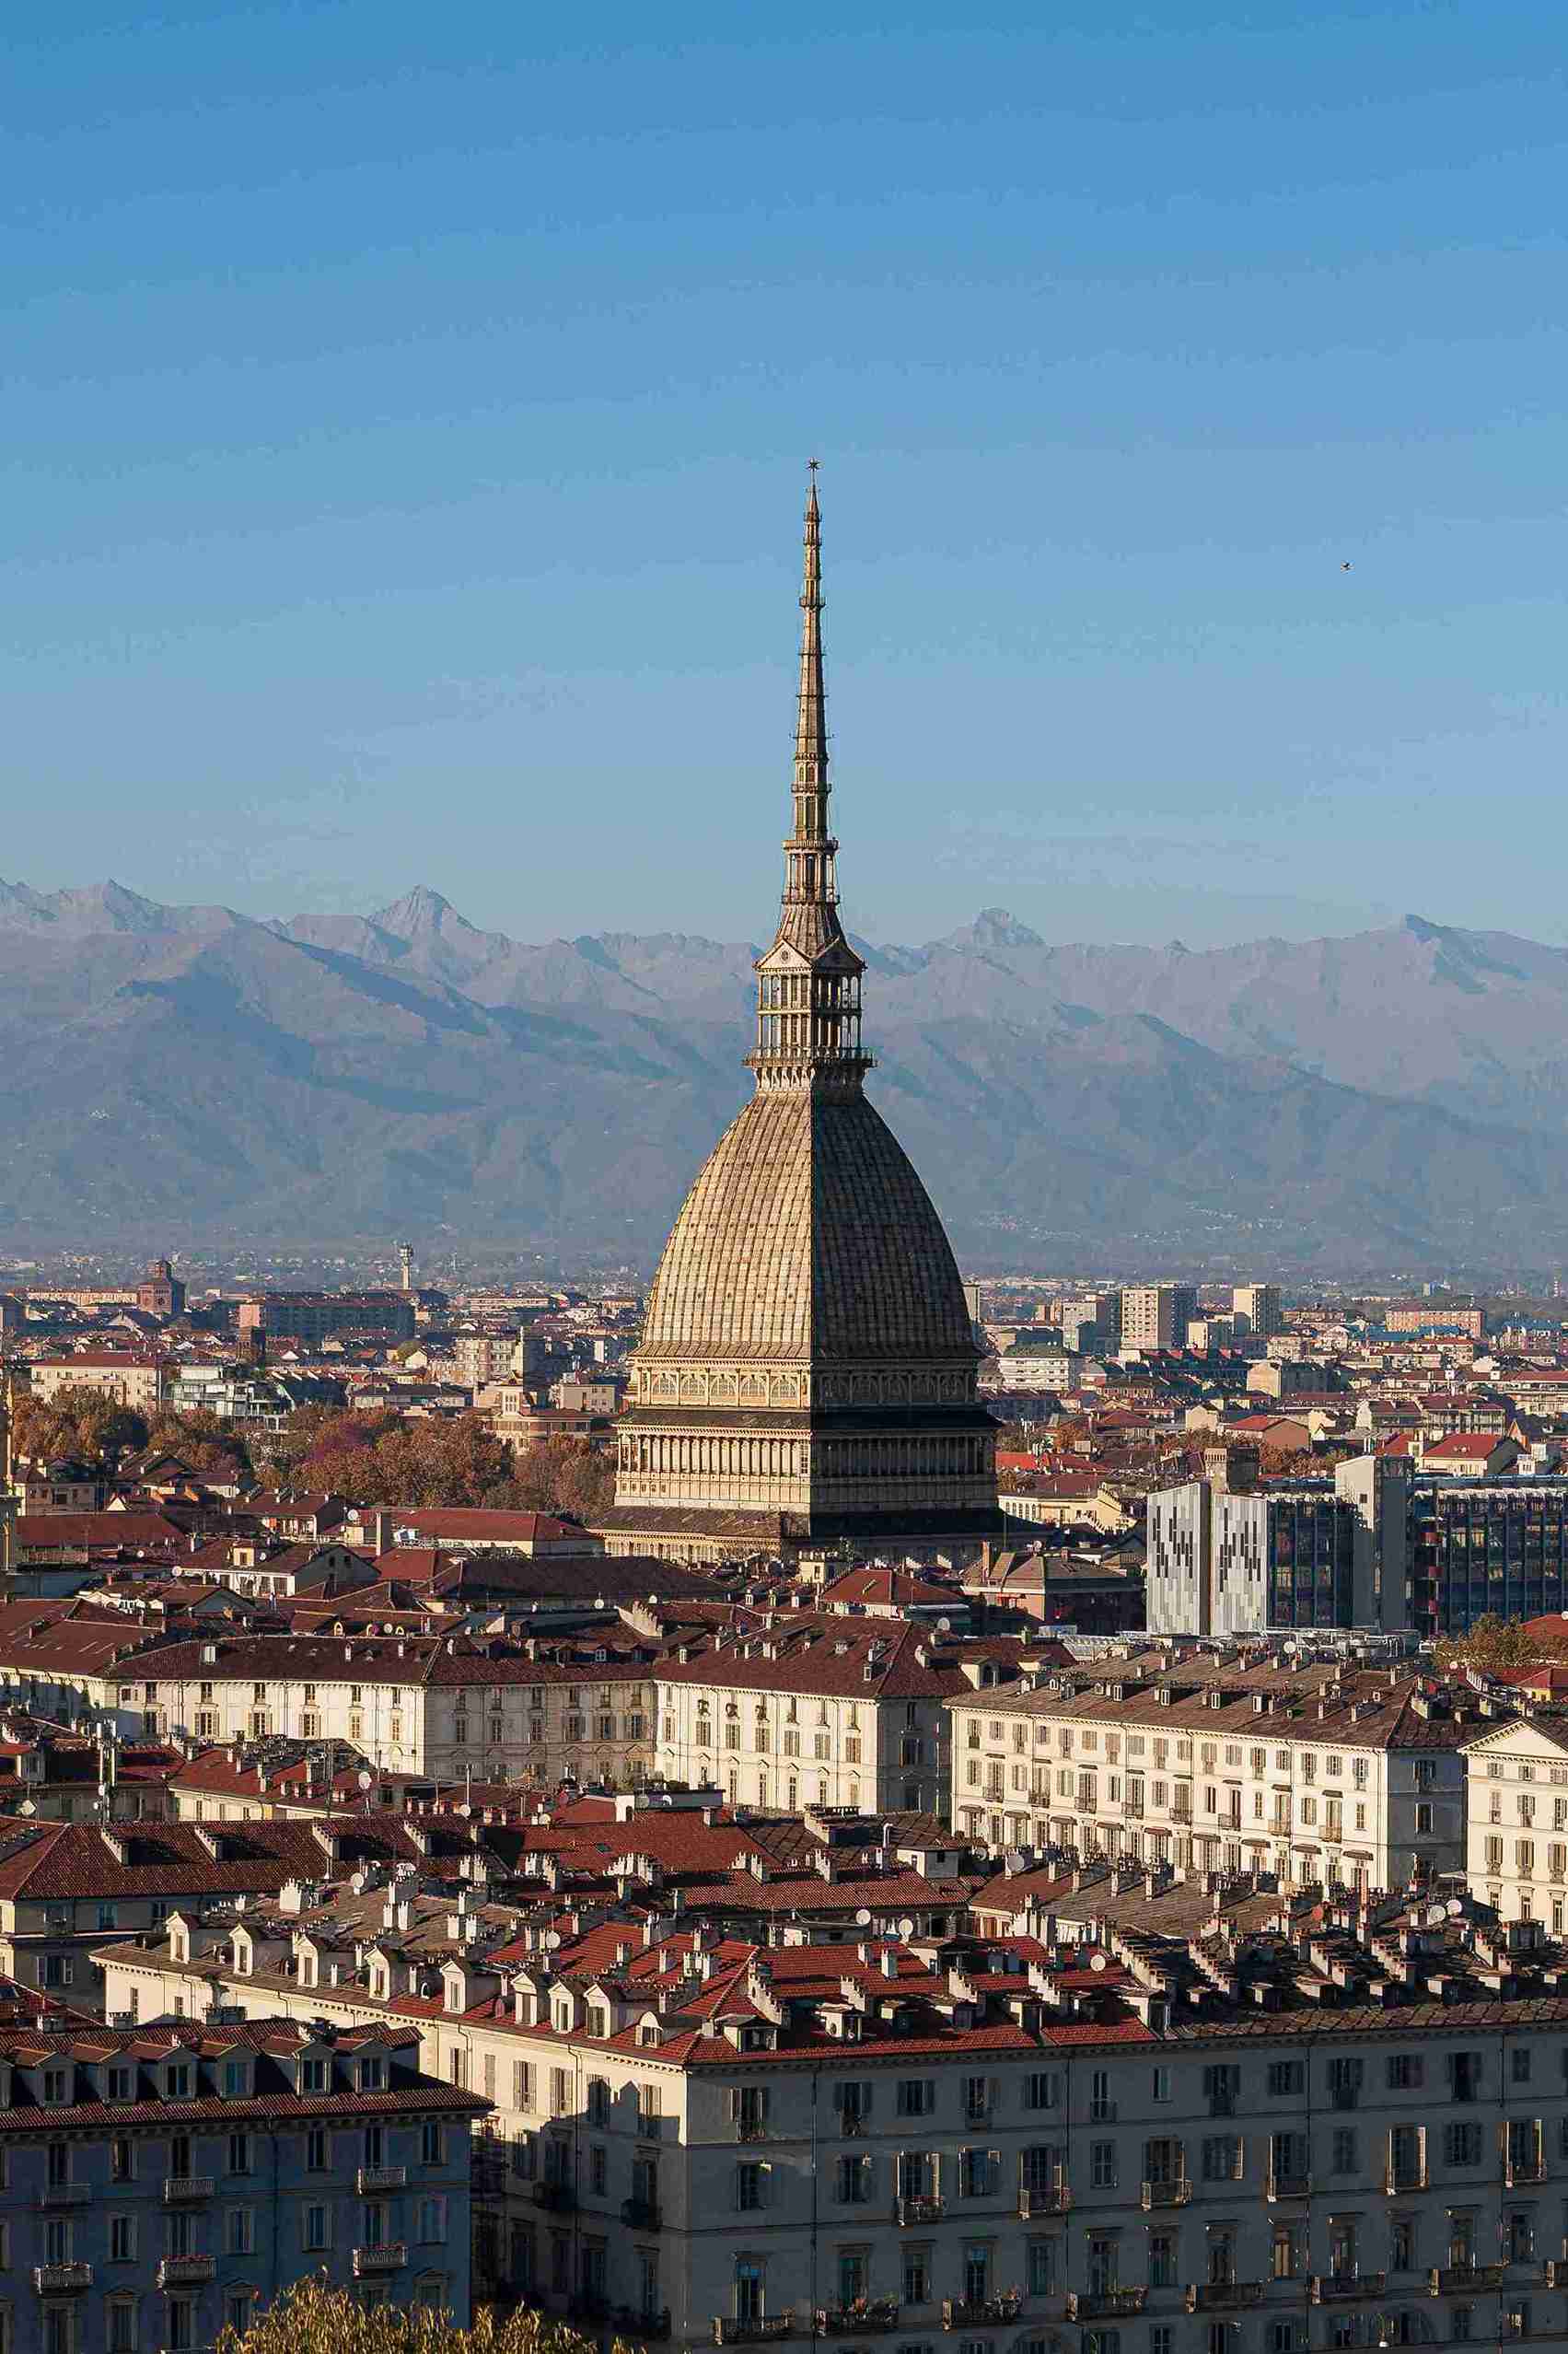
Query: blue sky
pixel 404 414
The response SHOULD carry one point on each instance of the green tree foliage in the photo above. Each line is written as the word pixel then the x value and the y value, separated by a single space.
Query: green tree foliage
pixel 311 2318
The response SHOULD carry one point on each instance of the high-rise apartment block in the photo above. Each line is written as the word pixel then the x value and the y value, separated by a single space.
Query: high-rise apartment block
pixel 1257 1308
pixel 1156 1315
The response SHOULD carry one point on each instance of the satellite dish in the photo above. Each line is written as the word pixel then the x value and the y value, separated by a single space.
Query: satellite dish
pixel 1014 1860
pixel 1099 1962
pixel 365 1778
pixel 906 1926
pixel 1454 1907
pixel 552 1940
pixel 944 1626
pixel 26 1807
pixel 1436 1916
pixel 863 1918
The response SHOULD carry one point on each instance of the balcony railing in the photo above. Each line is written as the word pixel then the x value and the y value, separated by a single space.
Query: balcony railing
pixel 918 2206
pixel 558 2196
pixel 182 2271
pixel 865 2314
pixel 981 2313
pixel 1043 2198
pixel 1175 2193
pixel 756 2331
pixel 177 2189
pixel 1463 2280
pixel 65 2195
pixel 1403 2178
pixel 642 2214
pixel 1223 2296
pixel 54 2279
pixel 381 2178
pixel 1530 2168
pixel 749 2129
pixel 389 2257
pixel 1344 2288
pixel 1288 2185
pixel 852 2125
pixel 1106 2304
pixel 1554 2272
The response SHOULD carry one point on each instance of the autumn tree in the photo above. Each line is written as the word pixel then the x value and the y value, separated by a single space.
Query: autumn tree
pixel 309 2317
pixel 1494 1642
pixel 81 1422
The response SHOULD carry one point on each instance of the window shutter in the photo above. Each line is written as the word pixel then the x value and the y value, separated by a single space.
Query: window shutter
pixel 931 2084
pixel 733 2104
pixel 764 2104
pixel 993 2093
pixel 838 2096
pixel 765 2186
pixel 992 2173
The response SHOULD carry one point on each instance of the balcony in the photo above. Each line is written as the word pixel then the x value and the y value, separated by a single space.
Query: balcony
pixel 981 2313
pixel 1044 2198
pixel 558 2196
pixel 1106 2304
pixel 184 2271
pixel 1102 2113
pixel 65 2195
pixel 1530 2168
pixel 866 2314
pixel 58 2279
pixel 642 2214
pixel 1554 2272
pixel 922 2207
pixel 179 2189
pixel 855 2126
pixel 755 2331
pixel 1172 2194
pixel 1222 2296
pixel 1463 2280
pixel 1403 2178
pixel 1344 2288
pixel 381 2178
pixel 390 2256
pixel 749 2129
pixel 1288 2185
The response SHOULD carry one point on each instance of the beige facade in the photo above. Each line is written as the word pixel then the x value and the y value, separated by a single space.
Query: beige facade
pixel 1217 2191
pixel 1517 1834
pixel 1335 1800
pixel 136 1382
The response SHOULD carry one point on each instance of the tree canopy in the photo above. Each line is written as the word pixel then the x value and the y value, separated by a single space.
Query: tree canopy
pixel 309 2317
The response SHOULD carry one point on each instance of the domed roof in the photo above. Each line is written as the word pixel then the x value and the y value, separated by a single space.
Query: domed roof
pixel 808 1238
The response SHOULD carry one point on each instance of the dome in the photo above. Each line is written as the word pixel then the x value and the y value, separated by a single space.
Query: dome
pixel 807 1239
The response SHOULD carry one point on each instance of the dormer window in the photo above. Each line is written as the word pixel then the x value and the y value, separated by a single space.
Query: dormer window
pixel 312 2075
pixel 598 2020
pixel 236 2079
pixel 372 2072
pixel 122 2084
pixel 56 2087
pixel 177 2081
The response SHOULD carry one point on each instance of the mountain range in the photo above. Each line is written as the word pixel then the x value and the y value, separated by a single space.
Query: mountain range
pixel 1396 1099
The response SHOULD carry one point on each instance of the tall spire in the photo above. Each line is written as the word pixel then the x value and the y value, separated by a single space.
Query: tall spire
pixel 808 990
pixel 811 718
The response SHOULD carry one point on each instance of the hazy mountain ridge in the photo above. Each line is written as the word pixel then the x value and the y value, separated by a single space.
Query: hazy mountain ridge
pixel 1400 1094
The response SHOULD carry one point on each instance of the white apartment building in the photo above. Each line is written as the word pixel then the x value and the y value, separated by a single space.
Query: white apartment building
pixel 826 1711
pixel 1516 1842
pixel 1323 1775
pixel 433 1705
pixel 1258 2145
